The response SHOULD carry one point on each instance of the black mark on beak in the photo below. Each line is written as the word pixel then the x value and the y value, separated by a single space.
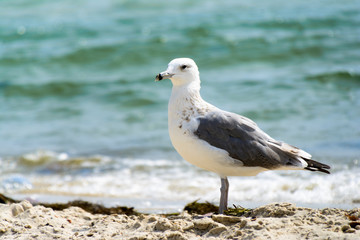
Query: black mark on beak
pixel 159 77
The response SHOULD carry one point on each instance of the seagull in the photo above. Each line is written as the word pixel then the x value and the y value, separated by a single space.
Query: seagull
pixel 222 142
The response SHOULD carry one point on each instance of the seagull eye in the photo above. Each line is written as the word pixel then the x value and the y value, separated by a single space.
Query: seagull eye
pixel 183 67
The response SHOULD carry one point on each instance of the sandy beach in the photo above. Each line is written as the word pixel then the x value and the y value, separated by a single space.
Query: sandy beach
pixel 274 221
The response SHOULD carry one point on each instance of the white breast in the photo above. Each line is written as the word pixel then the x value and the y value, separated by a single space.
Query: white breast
pixel 182 124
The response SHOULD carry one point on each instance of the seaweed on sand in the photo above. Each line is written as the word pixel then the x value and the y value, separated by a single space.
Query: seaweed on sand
pixel 93 208
pixel 205 208
pixel 87 206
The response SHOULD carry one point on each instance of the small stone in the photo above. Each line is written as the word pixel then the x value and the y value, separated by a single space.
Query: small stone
pixel 140 237
pixel 27 226
pixel 26 205
pixel 136 225
pixel 163 225
pixel 226 219
pixel 243 223
pixel 345 228
pixel 357 227
pixel 15 230
pixel 188 227
pixel 258 227
pixel 297 222
pixel 16 209
pixel 316 220
pixel 124 219
pixel 175 236
pixel 152 219
pixel 203 223
pixel 217 230
pixel 351 230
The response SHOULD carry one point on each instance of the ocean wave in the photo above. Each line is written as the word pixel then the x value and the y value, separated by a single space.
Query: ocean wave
pixel 48 162
pixel 305 23
pixel 51 89
pixel 170 181
pixel 339 76
pixel 62 88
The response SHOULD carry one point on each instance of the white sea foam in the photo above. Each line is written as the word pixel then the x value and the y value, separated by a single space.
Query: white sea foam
pixel 145 183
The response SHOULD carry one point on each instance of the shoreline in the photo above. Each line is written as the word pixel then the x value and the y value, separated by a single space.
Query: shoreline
pixel 272 221
pixel 156 206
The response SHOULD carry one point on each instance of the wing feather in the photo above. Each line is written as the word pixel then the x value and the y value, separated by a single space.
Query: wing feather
pixel 246 142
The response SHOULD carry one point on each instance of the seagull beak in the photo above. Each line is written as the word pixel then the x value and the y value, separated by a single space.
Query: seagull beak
pixel 163 75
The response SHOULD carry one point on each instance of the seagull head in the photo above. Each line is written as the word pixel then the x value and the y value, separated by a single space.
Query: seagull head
pixel 180 71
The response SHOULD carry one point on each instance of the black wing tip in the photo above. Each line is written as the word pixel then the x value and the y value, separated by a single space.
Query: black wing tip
pixel 317 170
pixel 316 166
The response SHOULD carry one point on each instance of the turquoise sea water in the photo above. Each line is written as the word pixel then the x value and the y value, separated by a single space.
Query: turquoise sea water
pixel 81 115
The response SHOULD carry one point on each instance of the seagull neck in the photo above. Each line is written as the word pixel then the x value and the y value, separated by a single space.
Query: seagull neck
pixel 186 91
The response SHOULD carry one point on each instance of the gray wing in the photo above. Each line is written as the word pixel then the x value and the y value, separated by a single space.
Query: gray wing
pixel 245 141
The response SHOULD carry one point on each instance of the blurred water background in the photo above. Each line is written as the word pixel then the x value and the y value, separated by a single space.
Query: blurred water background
pixel 81 116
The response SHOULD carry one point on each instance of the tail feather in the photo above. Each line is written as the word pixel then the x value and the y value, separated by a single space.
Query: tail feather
pixel 316 166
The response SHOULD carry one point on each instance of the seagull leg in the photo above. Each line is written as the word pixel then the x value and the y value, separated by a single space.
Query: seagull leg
pixel 224 194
